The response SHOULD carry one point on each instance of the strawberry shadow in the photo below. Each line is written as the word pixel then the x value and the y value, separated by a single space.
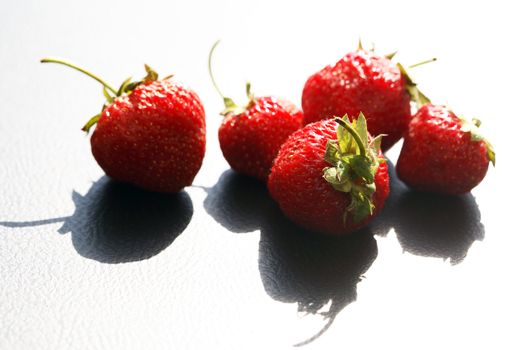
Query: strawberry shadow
pixel 117 223
pixel 429 224
pixel 237 202
pixel 317 272
pixel 320 273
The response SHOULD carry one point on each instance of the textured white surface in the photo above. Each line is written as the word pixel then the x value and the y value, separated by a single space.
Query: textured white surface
pixel 227 280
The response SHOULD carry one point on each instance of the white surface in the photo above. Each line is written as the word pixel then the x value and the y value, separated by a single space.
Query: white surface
pixel 196 294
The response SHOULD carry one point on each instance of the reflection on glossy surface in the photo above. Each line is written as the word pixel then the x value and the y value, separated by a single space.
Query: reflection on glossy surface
pixel 117 223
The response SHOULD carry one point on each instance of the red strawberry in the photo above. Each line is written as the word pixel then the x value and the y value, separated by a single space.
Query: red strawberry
pixel 250 136
pixel 363 81
pixel 443 153
pixel 250 139
pixel 150 133
pixel 329 178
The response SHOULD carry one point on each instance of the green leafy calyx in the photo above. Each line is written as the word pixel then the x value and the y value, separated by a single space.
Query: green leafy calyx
pixel 125 89
pixel 415 94
pixel 109 92
pixel 411 87
pixel 472 127
pixel 230 107
pixel 354 162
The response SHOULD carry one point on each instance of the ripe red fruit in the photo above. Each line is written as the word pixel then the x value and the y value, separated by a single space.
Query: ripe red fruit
pixel 250 136
pixel 329 178
pixel 150 133
pixel 251 139
pixel 443 153
pixel 363 81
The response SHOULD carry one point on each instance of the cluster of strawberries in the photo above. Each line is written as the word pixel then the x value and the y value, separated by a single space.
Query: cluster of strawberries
pixel 323 165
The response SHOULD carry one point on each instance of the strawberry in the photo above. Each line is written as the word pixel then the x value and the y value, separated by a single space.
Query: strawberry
pixel 367 82
pixel 443 153
pixel 150 133
pixel 251 135
pixel 330 178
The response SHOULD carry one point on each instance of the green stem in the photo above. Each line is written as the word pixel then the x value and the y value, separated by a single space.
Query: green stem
pixel 91 122
pixel 391 55
pixel 348 127
pixel 423 62
pixel 71 65
pixel 210 70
